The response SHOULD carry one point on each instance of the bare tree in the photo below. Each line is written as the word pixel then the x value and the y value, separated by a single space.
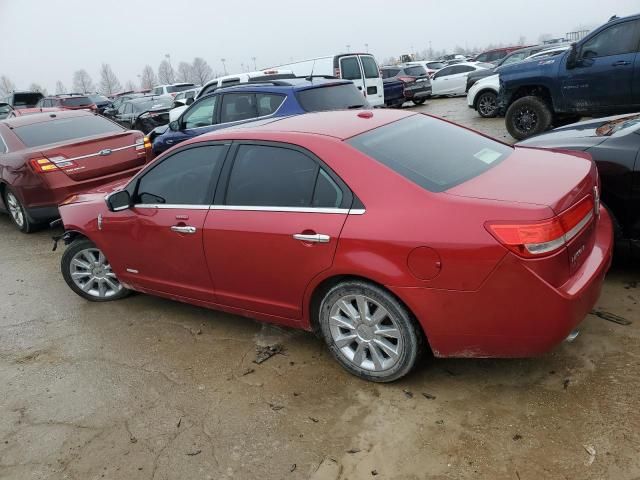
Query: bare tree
pixel 148 78
pixel 6 85
pixel 544 37
pixel 35 87
pixel 166 73
pixel 60 88
pixel 130 86
pixel 109 83
pixel 184 72
pixel 82 82
pixel 201 71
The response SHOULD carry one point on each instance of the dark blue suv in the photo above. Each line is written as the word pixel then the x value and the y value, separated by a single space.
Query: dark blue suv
pixel 247 102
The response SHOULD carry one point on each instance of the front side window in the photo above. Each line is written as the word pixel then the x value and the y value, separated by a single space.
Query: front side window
pixel 271 177
pixel 615 40
pixel 238 106
pixel 201 114
pixel 432 153
pixel 185 178
pixel 350 68
pixel 370 66
pixel 483 57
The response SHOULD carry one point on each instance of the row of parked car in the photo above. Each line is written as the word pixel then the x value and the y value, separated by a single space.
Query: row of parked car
pixel 263 198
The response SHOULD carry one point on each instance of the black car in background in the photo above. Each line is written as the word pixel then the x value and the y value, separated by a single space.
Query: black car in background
pixel 513 57
pixel 100 101
pixel 111 110
pixel 22 99
pixel 614 144
pixel 417 85
pixel 144 113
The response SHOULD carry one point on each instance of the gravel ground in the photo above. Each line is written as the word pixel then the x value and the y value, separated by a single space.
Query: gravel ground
pixel 146 388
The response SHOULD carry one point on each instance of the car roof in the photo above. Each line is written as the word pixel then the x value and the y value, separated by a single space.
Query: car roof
pixel 22 121
pixel 340 124
pixel 282 86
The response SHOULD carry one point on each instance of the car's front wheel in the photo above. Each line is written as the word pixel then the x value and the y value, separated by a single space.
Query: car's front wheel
pixel 528 116
pixel 88 272
pixel 487 104
pixel 369 332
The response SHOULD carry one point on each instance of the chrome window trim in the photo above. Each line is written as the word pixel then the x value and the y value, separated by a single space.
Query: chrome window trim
pixel 171 206
pixel 248 208
pixel 6 147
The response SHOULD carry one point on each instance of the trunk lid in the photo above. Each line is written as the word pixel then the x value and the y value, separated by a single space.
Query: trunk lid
pixel 553 178
pixel 98 156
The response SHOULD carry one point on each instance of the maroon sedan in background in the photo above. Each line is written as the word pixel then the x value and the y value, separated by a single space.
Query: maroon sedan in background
pixel 46 157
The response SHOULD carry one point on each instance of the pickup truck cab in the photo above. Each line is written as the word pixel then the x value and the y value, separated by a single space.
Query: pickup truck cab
pixel 598 75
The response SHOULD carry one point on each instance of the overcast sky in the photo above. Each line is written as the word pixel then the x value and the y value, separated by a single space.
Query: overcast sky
pixel 47 40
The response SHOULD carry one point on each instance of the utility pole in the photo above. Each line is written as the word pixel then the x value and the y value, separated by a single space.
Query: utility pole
pixel 254 63
pixel 224 67
pixel 348 47
pixel 366 47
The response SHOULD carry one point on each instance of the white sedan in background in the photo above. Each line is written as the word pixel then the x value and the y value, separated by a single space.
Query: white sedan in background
pixel 483 96
pixel 452 80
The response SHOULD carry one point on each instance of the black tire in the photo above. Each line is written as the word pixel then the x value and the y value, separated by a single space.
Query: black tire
pixel 528 116
pixel 19 217
pixel 409 344
pixel 487 104
pixel 420 101
pixel 563 120
pixel 77 246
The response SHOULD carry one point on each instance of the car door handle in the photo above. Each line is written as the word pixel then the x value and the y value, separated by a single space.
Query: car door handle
pixel 312 238
pixel 620 63
pixel 183 229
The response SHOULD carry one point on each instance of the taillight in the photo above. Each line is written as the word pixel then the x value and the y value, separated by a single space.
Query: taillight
pixel 44 165
pixel 407 79
pixel 536 239
pixel 143 145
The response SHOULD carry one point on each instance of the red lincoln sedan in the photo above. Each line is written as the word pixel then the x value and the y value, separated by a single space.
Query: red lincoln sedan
pixel 385 232
pixel 46 157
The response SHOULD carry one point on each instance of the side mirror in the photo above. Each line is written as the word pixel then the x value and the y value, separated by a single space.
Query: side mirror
pixel 118 201
pixel 174 126
pixel 572 58
pixel 190 100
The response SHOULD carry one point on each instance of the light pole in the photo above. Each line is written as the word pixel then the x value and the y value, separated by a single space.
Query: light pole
pixel 168 57
pixel 254 63
pixel 224 67
pixel 366 47
pixel 348 47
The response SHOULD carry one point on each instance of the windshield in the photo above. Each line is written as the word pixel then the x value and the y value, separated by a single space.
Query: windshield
pixel 331 97
pixel 65 129
pixel 179 88
pixel 431 153
pixel 618 125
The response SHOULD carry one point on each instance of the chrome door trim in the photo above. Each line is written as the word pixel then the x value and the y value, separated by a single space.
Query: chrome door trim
pixel 247 208
pixel 6 147
pixel 171 206
pixel 183 229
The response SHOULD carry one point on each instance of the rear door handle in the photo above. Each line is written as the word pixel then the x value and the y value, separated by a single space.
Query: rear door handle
pixel 312 238
pixel 620 63
pixel 183 229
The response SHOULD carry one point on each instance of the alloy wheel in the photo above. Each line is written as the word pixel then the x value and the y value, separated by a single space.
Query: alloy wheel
pixel 365 333
pixel 91 272
pixel 15 209
pixel 487 105
pixel 526 120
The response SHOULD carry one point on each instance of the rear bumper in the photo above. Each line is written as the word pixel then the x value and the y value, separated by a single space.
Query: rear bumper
pixel 515 313
pixel 417 93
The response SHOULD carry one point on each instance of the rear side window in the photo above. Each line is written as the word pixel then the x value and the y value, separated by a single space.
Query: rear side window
pixel 331 97
pixel 185 178
pixel 370 66
pixel 432 153
pixel 350 68
pixel 268 103
pixel 238 106
pixel 327 193
pixel 76 101
pixel 271 177
pixel 65 129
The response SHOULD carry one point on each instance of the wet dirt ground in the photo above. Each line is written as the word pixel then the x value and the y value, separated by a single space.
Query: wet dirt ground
pixel 146 388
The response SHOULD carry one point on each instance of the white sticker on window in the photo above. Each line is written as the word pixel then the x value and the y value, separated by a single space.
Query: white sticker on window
pixel 488 156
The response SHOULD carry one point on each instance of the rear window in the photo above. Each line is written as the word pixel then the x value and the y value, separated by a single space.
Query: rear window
pixel 415 71
pixel 432 153
pixel 98 98
pixel 76 101
pixel 179 88
pixel 435 65
pixel 390 72
pixel 370 66
pixel 331 97
pixel 65 129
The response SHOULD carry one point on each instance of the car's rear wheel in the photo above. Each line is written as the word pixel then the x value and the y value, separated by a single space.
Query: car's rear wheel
pixel 88 272
pixel 419 101
pixel 527 116
pixel 369 332
pixel 487 104
pixel 17 212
